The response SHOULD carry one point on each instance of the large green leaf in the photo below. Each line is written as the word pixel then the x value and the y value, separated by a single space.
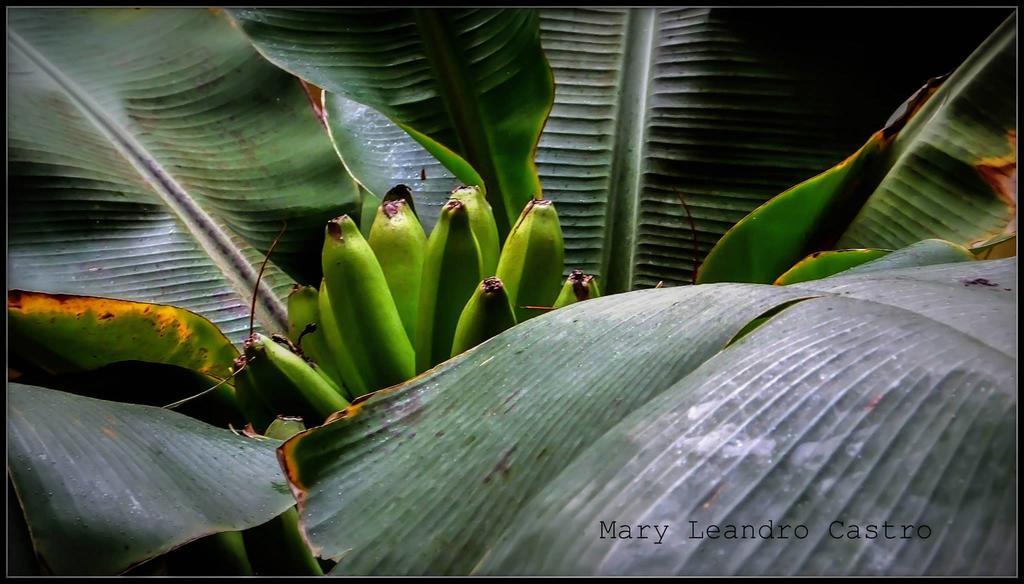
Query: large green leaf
pixel 471 85
pixel 631 408
pixel 106 485
pixel 154 156
pixel 864 412
pixel 724 107
pixel 943 167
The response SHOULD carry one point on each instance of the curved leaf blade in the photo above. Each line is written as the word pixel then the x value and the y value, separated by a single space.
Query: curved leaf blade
pixel 65 334
pixel 105 485
pixel 922 253
pixel 777 234
pixel 897 419
pixel 823 264
pixel 152 154
pixel 472 86
pixel 983 295
pixel 828 263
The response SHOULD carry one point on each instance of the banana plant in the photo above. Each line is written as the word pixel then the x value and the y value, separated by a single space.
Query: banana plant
pixel 177 407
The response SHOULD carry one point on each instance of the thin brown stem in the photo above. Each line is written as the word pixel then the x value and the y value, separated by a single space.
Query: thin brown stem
pixel 693 230
pixel 259 277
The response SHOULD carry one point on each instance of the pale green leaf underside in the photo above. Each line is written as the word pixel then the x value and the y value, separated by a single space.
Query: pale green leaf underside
pixel 839 409
pixel 150 151
pixel 499 421
pixel 106 485
pixel 381 155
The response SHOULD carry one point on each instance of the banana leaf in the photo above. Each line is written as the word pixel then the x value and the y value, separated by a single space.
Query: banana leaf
pixel 154 156
pixel 105 486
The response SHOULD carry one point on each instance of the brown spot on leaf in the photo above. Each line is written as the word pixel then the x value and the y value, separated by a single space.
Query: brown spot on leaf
pixel 502 465
pixel 286 458
pixel 979 282
pixel 109 433
pixel 874 402
pixel 1000 173
pixel 510 397
pixel 710 500
pixel 107 316
pixel 14 299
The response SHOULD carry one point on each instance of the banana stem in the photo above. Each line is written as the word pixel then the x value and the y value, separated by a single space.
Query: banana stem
pixel 277 548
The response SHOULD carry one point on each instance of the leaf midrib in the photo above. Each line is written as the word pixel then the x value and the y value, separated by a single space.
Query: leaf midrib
pixel 626 178
pixel 201 225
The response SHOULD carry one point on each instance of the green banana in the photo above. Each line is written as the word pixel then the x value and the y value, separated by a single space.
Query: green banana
pixel 303 311
pixel 451 271
pixel 273 380
pixel 250 399
pixel 531 261
pixel 284 427
pixel 487 313
pixel 399 242
pixel 370 327
pixel 481 221
pixel 578 287
pixel 350 375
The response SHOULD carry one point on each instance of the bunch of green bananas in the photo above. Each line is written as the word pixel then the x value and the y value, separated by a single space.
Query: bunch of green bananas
pixel 396 303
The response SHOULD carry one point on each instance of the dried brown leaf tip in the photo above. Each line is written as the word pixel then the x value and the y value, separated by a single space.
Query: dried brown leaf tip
pixel 910 107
